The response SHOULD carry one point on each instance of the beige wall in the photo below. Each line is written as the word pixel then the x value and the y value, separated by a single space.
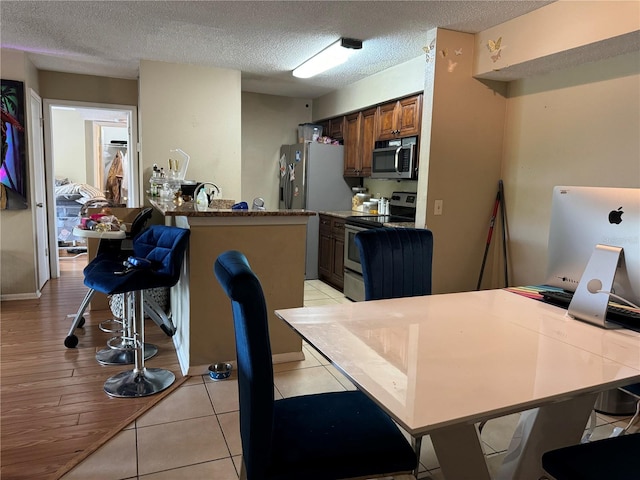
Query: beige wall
pixel 87 88
pixel 577 126
pixel 68 145
pixel 395 82
pixel 559 35
pixel 17 227
pixel 460 160
pixel 268 121
pixel 196 109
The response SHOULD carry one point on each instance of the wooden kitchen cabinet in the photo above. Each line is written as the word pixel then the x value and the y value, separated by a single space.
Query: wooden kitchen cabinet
pixel 360 133
pixel 336 128
pixel 333 128
pixel 401 118
pixel 331 251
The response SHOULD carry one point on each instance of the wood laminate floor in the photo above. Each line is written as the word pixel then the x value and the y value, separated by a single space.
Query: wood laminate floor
pixel 53 410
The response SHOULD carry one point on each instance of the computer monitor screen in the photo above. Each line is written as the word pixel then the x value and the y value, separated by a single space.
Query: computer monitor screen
pixel 583 217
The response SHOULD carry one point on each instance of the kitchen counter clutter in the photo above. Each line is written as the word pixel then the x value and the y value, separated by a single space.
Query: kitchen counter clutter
pixel 219 208
pixel 274 242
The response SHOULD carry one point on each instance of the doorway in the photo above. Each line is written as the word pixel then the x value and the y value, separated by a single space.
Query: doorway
pixel 91 156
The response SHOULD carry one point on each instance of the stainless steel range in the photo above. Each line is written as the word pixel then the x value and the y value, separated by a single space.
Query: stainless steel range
pixel 402 207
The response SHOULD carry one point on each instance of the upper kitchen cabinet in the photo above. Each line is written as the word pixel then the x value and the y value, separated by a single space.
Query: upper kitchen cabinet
pixel 359 140
pixel 400 118
pixel 336 128
pixel 333 128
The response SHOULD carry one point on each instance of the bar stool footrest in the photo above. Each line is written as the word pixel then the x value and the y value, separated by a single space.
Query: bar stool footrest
pixel 106 325
pixel 125 356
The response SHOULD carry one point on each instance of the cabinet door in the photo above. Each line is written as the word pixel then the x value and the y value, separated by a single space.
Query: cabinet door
pixel 386 121
pixel 324 257
pixel 367 143
pixel 338 263
pixel 326 127
pixel 352 145
pixel 409 116
pixel 337 267
pixel 336 128
pixel 325 247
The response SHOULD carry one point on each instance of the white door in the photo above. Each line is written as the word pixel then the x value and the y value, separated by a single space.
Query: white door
pixel 39 190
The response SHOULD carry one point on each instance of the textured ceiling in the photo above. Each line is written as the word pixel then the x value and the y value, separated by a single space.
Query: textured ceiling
pixel 265 40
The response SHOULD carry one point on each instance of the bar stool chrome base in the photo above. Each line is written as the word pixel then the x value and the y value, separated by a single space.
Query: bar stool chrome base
pixel 139 383
pixel 124 355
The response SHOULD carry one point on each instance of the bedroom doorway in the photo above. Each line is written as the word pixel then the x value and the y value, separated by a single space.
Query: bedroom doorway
pixel 91 156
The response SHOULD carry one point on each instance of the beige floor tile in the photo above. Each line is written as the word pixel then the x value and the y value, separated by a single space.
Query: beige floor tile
pixel 115 460
pixel 338 375
pixel 306 381
pixel 186 402
pixel 193 380
pixel 314 283
pixel 428 457
pixel 315 295
pixel 494 462
pixel 224 395
pixel 343 299
pixel 321 302
pixel 604 431
pixel 230 424
pixel 329 290
pixel 178 444
pixel 318 356
pixel 218 470
pixel 497 432
pixel 432 475
pixel 309 361
pixel 237 462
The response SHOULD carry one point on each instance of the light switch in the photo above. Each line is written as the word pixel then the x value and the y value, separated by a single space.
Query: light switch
pixel 437 207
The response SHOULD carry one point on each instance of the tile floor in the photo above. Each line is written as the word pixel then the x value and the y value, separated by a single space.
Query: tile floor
pixel 194 432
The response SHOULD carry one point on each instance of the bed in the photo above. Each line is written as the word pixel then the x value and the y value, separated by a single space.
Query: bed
pixel 72 199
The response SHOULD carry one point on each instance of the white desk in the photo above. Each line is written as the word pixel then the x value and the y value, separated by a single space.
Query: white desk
pixel 439 364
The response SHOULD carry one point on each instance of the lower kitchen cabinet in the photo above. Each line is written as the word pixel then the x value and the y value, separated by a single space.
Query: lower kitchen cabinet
pixel 331 251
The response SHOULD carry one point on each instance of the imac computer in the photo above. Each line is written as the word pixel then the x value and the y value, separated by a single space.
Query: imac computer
pixel 594 249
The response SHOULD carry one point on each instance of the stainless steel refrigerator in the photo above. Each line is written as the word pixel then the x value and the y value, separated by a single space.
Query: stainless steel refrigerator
pixel 311 178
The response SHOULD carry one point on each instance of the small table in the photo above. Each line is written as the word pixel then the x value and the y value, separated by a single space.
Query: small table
pixel 440 364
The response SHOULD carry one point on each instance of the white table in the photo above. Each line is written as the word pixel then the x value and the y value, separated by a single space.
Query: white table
pixel 439 364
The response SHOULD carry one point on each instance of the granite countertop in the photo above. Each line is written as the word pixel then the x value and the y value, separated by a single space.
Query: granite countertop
pixel 188 209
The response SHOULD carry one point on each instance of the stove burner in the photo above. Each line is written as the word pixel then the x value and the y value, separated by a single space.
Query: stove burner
pixel 376 221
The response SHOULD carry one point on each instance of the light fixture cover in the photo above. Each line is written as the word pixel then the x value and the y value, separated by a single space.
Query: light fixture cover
pixel 334 55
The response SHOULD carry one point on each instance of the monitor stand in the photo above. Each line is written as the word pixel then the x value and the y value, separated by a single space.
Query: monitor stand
pixel 591 298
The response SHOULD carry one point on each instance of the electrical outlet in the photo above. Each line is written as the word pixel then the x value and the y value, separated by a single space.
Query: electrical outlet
pixel 437 207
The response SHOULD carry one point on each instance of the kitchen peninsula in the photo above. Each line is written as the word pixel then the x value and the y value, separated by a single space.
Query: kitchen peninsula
pixel 273 242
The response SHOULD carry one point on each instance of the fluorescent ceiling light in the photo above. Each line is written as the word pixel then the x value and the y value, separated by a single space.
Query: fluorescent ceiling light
pixel 332 56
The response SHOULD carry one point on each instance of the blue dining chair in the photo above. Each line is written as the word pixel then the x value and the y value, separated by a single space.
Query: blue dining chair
pixel 396 262
pixel 312 437
pixel 608 459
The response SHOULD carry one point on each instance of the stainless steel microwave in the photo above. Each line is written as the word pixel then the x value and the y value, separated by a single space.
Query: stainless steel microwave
pixel 396 162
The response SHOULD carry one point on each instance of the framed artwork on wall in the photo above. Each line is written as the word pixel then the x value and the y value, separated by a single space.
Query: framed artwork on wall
pixel 13 169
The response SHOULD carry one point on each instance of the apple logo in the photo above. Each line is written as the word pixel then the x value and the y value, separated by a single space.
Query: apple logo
pixel 615 216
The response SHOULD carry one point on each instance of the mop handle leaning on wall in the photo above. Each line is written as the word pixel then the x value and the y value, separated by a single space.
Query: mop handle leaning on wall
pixel 489 235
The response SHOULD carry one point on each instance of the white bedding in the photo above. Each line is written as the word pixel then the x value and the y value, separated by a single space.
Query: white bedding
pixel 86 192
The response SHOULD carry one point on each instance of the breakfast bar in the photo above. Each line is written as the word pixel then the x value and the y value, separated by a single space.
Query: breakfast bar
pixel 273 242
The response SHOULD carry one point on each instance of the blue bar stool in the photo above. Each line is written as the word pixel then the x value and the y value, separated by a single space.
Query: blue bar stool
pixel 157 260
